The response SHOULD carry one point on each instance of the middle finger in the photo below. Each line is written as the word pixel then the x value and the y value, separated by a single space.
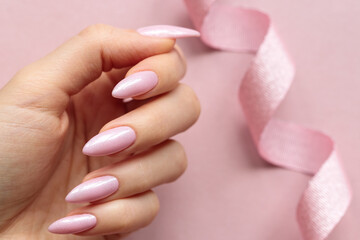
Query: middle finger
pixel 148 125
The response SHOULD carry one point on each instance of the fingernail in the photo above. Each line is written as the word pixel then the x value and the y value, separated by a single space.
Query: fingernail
pixel 73 224
pixel 93 189
pixel 135 84
pixel 168 31
pixel 110 141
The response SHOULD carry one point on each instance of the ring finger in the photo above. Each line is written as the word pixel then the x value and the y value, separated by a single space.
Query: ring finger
pixel 163 164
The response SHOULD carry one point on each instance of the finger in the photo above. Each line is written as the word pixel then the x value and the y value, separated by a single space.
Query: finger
pixel 118 216
pixel 48 83
pixel 147 125
pixel 152 76
pixel 102 103
pixel 163 164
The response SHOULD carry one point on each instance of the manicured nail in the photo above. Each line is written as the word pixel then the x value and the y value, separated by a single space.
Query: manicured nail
pixel 110 141
pixel 168 31
pixel 73 224
pixel 135 84
pixel 93 189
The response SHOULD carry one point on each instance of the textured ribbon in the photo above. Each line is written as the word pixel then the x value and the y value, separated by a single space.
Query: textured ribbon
pixel 226 26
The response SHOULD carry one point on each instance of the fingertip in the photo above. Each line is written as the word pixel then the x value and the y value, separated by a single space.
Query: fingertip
pixel 73 224
pixel 110 141
pixel 135 84
pixel 93 189
pixel 168 31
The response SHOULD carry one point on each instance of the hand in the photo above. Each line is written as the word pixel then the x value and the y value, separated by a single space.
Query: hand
pixel 52 107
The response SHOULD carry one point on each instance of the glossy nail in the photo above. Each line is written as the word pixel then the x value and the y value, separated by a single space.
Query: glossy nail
pixel 110 141
pixel 135 84
pixel 93 189
pixel 168 31
pixel 73 224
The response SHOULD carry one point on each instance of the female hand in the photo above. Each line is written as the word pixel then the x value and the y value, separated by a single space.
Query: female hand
pixel 52 107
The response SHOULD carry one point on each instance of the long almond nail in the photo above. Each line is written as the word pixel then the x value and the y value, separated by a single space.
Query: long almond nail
pixel 93 189
pixel 168 31
pixel 110 141
pixel 73 224
pixel 135 84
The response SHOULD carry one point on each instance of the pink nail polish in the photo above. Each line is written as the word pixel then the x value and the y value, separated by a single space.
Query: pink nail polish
pixel 93 189
pixel 110 141
pixel 135 84
pixel 73 224
pixel 168 31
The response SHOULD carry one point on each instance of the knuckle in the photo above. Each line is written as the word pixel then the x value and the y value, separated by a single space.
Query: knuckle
pixel 100 37
pixel 127 223
pixel 95 30
pixel 143 179
pixel 25 71
pixel 179 160
pixel 136 216
pixel 190 98
pixel 155 205
pixel 148 211
pixel 30 71
pixel 181 56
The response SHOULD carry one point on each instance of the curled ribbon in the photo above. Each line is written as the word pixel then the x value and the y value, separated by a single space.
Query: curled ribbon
pixel 225 26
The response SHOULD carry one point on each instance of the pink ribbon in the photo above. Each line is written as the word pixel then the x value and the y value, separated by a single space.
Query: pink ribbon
pixel 225 26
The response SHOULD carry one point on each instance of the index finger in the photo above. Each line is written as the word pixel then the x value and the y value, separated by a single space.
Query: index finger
pixel 78 62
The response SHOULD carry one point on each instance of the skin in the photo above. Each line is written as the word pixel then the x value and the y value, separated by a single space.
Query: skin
pixel 52 107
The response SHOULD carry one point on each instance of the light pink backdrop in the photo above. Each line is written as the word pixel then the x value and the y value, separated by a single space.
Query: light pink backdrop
pixel 228 192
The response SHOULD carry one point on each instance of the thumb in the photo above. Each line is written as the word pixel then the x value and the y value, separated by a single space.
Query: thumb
pixel 48 83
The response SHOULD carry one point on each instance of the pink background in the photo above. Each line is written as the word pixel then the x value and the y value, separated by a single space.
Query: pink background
pixel 228 192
